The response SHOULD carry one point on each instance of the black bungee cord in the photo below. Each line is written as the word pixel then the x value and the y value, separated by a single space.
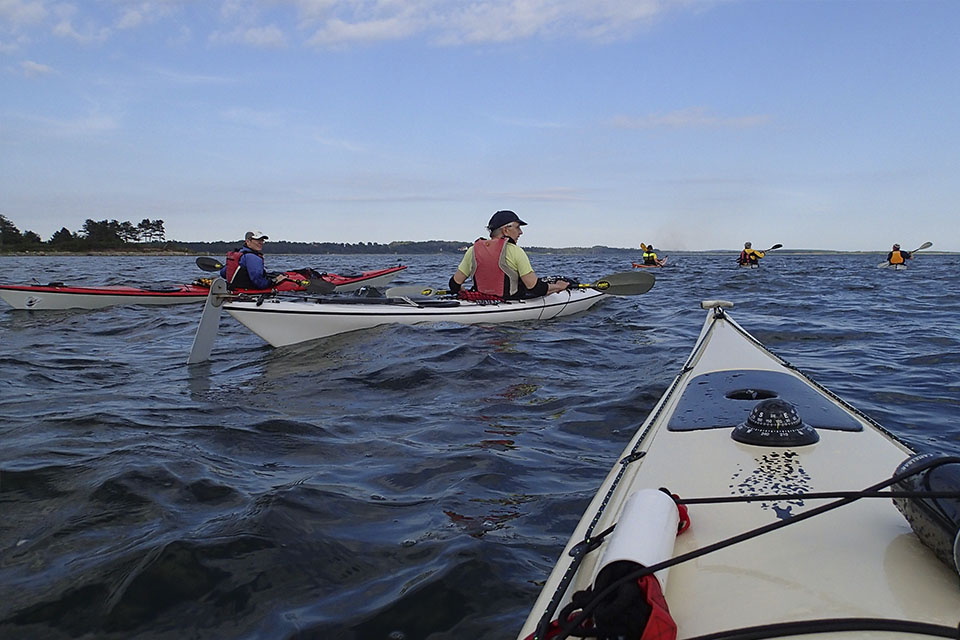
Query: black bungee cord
pixel 845 497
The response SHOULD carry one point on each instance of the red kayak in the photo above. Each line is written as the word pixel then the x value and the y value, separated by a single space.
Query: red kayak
pixel 57 295
pixel 640 265
pixel 343 283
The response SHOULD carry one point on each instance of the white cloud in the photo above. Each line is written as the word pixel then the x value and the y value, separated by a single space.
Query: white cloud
pixel 20 13
pixel 694 117
pixel 33 69
pixel 346 145
pixel 268 37
pixel 450 22
pixel 337 31
pixel 336 23
pixel 64 27
pixel 88 125
pixel 10 47
pixel 130 19
pixel 136 14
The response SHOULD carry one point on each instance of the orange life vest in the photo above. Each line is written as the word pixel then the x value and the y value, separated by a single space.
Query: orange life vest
pixel 896 257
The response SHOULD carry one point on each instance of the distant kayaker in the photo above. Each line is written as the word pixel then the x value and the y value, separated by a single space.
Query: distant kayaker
pixel 898 256
pixel 245 269
pixel 499 266
pixel 650 256
pixel 749 255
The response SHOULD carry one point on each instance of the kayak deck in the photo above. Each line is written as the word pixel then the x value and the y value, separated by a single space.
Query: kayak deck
pixel 861 560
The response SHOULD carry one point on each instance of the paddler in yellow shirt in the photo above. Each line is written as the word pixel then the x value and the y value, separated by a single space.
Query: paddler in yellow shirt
pixel 500 268
pixel 650 257
pixel 749 255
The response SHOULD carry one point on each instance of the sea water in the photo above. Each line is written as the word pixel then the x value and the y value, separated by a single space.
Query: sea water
pixel 404 482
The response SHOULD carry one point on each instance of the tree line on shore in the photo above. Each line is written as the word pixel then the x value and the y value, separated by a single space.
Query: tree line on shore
pixel 149 236
pixel 93 236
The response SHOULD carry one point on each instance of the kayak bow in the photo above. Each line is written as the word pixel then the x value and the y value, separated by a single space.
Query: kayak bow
pixel 752 447
pixel 58 295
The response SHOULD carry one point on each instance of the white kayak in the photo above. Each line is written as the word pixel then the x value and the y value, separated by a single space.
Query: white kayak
pixel 59 296
pixel 776 547
pixel 283 322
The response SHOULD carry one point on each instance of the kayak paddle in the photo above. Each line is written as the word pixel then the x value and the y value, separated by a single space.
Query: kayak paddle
pixel 318 285
pixel 925 245
pixel 776 246
pixel 209 264
pixel 413 290
pixel 626 283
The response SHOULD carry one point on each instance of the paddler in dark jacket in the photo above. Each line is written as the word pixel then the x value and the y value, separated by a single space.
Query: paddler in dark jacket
pixel 896 256
pixel 499 266
pixel 245 268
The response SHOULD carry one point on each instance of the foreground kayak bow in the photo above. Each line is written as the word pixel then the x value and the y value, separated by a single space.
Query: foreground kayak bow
pixel 742 448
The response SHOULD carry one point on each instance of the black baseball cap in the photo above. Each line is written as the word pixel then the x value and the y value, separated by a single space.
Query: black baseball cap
pixel 501 218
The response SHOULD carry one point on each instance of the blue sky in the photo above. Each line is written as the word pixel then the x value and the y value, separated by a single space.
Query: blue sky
pixel 688 124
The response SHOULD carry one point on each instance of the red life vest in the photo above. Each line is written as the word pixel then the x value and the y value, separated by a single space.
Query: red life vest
pixel 233 264
pixel 236 274
pixel 491 275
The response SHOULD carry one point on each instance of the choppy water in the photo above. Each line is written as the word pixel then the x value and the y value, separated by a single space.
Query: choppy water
pixel 397 483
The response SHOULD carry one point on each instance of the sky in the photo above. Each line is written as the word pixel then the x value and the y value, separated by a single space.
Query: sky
pixel 688 124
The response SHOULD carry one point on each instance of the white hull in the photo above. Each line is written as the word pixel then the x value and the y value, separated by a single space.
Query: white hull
pixel 283 323
pixel 54 300
pixel 861 560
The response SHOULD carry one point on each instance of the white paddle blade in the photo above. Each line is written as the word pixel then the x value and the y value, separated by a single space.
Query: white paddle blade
pixel 402 292
pixel 209 323
pixel 412 291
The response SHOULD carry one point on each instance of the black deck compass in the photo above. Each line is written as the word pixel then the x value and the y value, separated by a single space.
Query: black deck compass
pixel 775 423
